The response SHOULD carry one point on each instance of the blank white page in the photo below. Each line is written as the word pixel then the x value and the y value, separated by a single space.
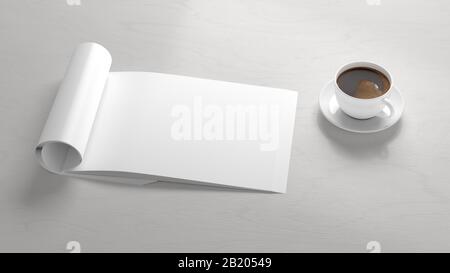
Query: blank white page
pixel 178 128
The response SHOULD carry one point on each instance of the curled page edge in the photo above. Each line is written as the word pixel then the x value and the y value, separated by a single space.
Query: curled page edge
pixel 66 133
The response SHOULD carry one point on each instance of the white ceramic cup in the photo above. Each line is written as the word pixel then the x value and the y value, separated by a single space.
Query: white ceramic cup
pixel 364 108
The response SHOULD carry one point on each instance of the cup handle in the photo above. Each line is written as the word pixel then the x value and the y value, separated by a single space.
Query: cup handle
pixel 388 103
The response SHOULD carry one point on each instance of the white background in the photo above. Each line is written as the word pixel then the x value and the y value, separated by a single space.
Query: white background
pixel 344 189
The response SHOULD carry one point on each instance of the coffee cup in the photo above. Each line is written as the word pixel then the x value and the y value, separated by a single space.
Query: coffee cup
pixel 363 90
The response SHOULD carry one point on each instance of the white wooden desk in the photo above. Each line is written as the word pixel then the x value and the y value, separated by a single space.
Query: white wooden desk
pixel 344 189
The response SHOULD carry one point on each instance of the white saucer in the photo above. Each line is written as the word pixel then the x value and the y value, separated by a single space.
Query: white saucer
pixel 332 112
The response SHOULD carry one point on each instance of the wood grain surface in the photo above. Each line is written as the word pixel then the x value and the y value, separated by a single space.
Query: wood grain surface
pixel 344 189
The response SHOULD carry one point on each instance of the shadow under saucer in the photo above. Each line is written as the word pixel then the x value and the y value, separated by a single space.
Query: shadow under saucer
pixel 356 144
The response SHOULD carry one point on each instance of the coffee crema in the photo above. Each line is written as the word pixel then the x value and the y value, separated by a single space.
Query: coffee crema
pixel 363 82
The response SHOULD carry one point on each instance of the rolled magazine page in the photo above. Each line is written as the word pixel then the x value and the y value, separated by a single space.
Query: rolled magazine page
pixel 140 127
pixel 64 138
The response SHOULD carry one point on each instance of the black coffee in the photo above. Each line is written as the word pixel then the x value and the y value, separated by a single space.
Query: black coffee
pixel 363 83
